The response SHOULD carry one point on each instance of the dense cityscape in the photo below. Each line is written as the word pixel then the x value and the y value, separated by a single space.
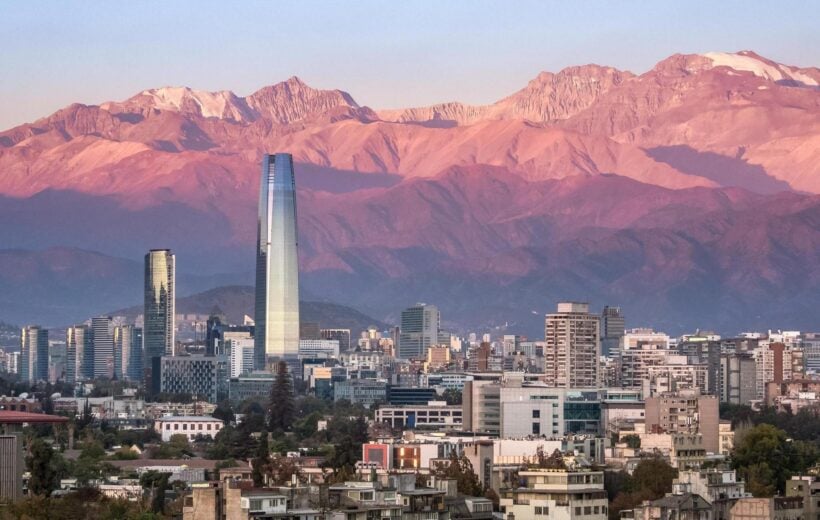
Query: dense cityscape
pixel 462 260
pixel 278 417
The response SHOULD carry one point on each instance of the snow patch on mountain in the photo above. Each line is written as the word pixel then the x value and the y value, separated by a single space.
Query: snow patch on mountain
pixel 210 104
pixel 758 67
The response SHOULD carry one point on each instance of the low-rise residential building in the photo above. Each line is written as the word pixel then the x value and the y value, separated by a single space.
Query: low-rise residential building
pixel 686 411
pixel 680 506
pixel 189 426
pixel 777 508
pixel 712 484
pixel 433 415
pixel 557 494
pixel 806 487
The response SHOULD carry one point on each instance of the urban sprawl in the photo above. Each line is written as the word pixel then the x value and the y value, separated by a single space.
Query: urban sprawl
pixel 192 417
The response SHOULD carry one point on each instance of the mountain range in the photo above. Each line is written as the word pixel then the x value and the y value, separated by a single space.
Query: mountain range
pixel 688 194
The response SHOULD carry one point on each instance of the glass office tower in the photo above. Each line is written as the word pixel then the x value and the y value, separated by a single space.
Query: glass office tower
pixel 158 324
pixel 79 353
pixel 277 270
pixel 102 328
pixel 33 354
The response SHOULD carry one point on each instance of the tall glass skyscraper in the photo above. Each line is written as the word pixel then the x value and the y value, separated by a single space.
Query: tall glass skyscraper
pixel 277 269
pixel 158 325
pixel 128 353
pixel 102 328
pixel 79 353
pixel 420 329
pixel 33 354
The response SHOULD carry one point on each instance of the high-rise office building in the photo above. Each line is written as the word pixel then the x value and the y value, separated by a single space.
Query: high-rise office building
pixel 103 346
pixel 34 354
pixel 79 353
pixel 738 378
pixel 158 324
pixel 241 356
pixel 612 330
pixel 277 267
pixel 340 335
pixel 56 362
pixel 128 353
pixel 573 347
pixel 203 377
pixel 420 329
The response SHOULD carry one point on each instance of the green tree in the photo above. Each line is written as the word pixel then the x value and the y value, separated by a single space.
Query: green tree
pixel 156 484
pixel 452 396
pixel 654 475
pixel 89 466
pixel 651 479
pixel 281 470
pixel 177 447
pixel 765 458
pixel 41 462
pixel 460 469
pixel 554 461
pixel 261 461
pixel 359 430
pixel 224 412
pixel 307 426
pixel 632 441
pixel 281 408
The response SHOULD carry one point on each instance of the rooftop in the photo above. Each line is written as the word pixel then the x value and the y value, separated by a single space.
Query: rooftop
pixel 12 417
pixel 189 418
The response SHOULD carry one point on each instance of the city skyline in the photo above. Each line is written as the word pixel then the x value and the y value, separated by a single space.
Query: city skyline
pixel 611 210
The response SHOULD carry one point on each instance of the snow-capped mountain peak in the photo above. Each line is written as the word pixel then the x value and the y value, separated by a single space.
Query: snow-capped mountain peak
pixel 761 67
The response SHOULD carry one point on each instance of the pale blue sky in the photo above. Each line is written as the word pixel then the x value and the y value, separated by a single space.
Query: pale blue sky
pixel 386 54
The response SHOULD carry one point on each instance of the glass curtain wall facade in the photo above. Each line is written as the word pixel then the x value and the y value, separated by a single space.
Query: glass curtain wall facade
pixel 277 264
pixel 79 354
pixel 158 315
pixel 103 346
pixel 128 353
pixel 34 354
pixel 420 327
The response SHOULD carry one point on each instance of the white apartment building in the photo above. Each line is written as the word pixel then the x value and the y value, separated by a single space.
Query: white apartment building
pixel 362 360
pixel 319 348
pixel 712 484
pixel 190 426
pixel 531 411
pixel 241 355
pixel 557 495
pixel 433 415
pixel 573 347
pixel 641 349
pixel 778 363
pixel 675 374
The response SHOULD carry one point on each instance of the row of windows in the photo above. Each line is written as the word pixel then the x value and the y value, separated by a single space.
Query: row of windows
pixel 185 426
pixel 589 510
